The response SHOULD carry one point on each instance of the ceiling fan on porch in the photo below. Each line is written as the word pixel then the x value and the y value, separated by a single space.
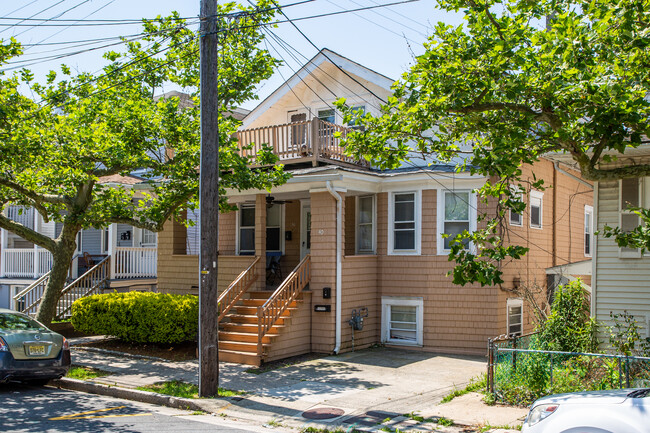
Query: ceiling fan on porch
pixel 270 201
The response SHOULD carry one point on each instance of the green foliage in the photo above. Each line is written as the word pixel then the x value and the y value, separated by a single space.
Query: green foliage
pixel 85 373
pixel 59 148
pixel 569 327
pixel 476 384
pixel 639 237
pixel 445 421
pixel 181 389
pixel 138 317
pixel 624 336
pixel 502 89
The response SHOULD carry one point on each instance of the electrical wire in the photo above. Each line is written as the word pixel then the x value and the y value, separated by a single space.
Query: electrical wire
pixel 37 13
pixel 22 7
pixel 57 16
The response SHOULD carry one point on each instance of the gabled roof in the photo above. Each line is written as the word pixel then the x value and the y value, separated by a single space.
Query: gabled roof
pixel 321 57
pixel 119 179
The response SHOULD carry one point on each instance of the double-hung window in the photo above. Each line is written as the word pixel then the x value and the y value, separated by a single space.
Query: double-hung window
pixel 247 230
pixel 589 230
pixel 366 224
pixel 404 236
pixel 516 219
pixel 631 194
pixel 515 316
pixel 148 238
pixel 536 209
pixel 273 228
pixel 456 214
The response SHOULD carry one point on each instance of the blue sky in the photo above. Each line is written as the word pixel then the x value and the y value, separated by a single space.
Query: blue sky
pixel 382 39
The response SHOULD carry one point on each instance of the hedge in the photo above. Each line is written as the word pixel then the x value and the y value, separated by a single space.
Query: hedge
pixel 138 317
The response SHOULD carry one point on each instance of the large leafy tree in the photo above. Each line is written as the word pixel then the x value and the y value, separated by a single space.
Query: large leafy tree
pixel 517 80
pixel 84 127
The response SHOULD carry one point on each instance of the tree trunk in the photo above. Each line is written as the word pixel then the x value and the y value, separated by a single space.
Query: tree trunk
pixel 61 256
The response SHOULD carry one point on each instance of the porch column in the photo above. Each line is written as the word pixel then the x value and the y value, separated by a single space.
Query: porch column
pixel 260 239
pixel 3 247
pixel 323 267
pixel 111 248
pixel 37 256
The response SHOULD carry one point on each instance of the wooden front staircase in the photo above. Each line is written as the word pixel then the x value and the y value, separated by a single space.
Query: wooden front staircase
pixel 248 326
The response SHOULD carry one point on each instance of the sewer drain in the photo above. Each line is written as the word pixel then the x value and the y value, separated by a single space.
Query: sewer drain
pixel 323 413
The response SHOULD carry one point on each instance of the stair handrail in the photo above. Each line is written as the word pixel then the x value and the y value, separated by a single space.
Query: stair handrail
pixel 42 281
pixel 86 281
pixel 280 300
pixel 237 288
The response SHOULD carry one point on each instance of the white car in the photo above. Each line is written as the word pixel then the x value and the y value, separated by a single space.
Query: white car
pixel 612 411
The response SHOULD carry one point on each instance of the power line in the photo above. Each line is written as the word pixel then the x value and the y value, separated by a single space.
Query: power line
pixel 405 16
pixel 37 13
pixel 57 16
pixel 22 7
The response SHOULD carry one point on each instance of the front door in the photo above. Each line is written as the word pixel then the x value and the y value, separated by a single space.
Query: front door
pixel 305 229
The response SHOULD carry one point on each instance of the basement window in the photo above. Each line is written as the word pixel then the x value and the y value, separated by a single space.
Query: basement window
pixel 402 320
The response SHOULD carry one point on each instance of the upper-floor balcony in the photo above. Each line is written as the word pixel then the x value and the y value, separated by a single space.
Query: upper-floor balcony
pixel 308 141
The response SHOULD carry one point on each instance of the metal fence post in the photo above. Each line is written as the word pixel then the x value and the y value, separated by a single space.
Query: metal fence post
pixel 627 371
pixel 620 373
pixel 514 354
pixel 490 372
pixel 551 370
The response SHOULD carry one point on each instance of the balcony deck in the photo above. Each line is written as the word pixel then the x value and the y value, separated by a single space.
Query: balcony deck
pixel 310 141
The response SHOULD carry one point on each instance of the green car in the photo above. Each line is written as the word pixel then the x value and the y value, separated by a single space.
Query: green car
pixel 29 352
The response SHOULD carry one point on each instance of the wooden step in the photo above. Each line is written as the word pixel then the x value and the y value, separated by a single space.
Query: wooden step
pixel 245 337
pixel 260 294
pixel 253 310
pixel 240 357
pixel 241 346
pixel 260 302
pixel 249 318
pixel 247 328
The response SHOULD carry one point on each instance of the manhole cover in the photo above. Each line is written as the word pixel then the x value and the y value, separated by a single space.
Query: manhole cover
pixel 323 413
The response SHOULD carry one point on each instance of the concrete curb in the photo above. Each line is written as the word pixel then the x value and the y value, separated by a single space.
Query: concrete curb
pixel 205 405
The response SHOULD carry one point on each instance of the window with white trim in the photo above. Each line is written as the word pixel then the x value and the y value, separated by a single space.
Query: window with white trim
pixel 402 320
pixel 516 219
pixel 359 111
pixel 404 227
pixel 456 215
pixel 589 230
pixel 365 224
pixel 630 195
pixel 246 230
pixel 148 238
pixel 515 316
pixel 536 209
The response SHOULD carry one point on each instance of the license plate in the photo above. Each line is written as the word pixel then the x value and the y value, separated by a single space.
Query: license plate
pixel 36 350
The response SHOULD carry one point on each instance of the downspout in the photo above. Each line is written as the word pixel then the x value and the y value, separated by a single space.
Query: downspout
pixel 572 176
pixel 339 218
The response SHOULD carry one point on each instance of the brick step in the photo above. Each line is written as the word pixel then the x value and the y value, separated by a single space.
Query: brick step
pixel 247 328
pixel 249 318
pixel 245 337
pixel 240 357
pixel 253 311
pixel 240 346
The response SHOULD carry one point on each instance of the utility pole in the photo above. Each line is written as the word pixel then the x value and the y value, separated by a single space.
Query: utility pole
pixel 209 203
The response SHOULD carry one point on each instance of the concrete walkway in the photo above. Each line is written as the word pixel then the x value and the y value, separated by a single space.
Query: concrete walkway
pixel 363 388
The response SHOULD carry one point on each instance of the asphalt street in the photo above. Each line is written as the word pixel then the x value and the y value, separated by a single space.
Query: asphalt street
pixel 44 409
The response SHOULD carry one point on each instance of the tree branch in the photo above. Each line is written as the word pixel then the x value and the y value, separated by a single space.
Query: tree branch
pixel 490 17
pixel 27 233
pixel 38 198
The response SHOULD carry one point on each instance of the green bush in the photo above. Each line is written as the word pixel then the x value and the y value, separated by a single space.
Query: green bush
pixel 569 327
pixel 138 317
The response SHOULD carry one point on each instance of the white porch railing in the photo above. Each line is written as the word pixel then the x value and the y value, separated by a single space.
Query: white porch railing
pixel 136 262
pixel 25 262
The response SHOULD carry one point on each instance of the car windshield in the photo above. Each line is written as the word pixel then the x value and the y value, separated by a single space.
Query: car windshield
pixel 17 322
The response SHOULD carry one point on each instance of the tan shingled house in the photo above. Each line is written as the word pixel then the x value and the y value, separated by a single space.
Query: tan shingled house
pixel 343 240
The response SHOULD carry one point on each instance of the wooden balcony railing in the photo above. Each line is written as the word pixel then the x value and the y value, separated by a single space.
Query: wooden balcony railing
pixel 237 288
pixel 283 296
pixel 310 140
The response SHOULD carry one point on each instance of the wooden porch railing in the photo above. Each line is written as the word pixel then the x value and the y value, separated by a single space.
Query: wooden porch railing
pixel 283 296
pixel 28 299
pixel 90 283
pixel 237 288
pixel 309 140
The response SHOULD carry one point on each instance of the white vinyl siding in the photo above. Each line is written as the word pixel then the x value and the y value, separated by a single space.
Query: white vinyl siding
pixel 620 283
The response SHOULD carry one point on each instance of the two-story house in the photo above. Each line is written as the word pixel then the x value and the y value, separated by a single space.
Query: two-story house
pixel 341 241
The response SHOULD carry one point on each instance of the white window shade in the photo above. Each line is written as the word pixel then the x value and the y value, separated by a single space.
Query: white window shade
pixel 192 241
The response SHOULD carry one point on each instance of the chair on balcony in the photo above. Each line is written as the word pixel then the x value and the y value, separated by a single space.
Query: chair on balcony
pixel 273 268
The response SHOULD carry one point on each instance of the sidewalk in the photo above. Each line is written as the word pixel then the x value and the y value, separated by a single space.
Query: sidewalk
pixel 355 390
